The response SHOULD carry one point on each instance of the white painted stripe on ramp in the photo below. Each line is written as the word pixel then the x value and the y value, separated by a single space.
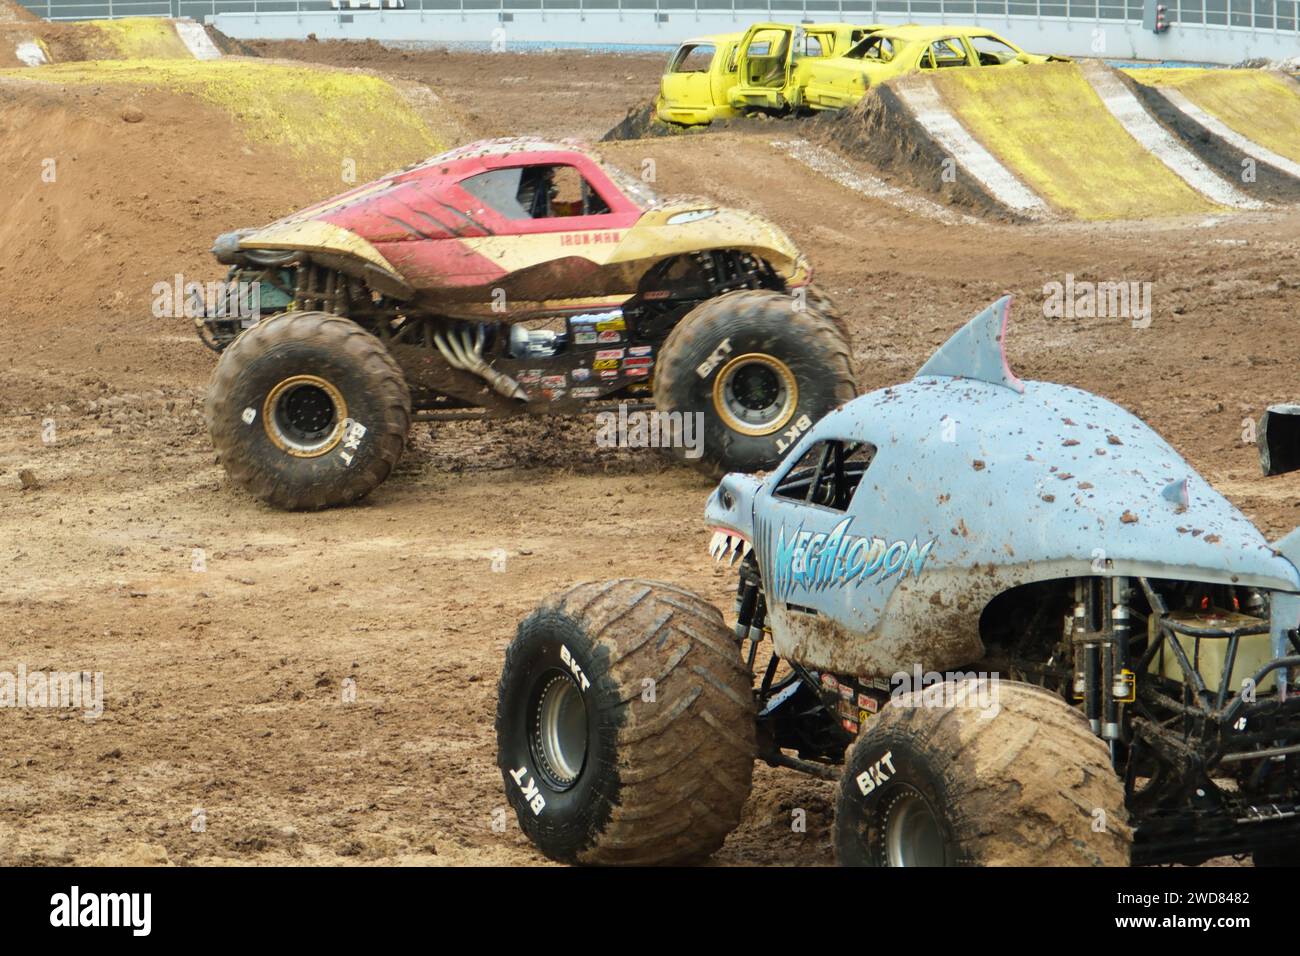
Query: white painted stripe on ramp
pixel 29 53
pixel 1142 126
pixel 923 100
pixel 1216 126
pixel 822 160
pixel 196 39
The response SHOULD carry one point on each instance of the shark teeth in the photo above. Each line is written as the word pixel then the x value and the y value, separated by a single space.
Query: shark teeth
pixel 728 546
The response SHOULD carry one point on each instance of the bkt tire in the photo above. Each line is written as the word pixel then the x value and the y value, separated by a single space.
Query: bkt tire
pixel 625 726
pixel 762 367
pixel 308 410
pixel 991 774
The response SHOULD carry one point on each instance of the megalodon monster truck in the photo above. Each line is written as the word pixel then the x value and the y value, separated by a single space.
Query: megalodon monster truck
pixel 1011 620
pixel 508 277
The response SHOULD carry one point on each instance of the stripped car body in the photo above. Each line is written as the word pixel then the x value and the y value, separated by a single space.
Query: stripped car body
pixel 695 88
pixel 764 68
pixel 970 521
pixel 840 81
pixel 775 60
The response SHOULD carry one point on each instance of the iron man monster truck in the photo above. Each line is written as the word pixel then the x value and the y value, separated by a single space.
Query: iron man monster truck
pixel 507 277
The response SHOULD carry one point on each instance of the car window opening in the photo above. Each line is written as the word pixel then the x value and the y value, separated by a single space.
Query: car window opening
pixel 827 474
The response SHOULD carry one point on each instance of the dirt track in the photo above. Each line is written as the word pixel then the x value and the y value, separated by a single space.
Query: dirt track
pixel 224 685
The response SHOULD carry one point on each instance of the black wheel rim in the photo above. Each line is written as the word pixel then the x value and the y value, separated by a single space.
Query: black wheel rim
pixel 755 394
pixel 304 416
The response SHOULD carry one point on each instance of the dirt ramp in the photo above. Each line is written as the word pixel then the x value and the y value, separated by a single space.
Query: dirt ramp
pixel 96 214
pixel 132 38
pixel 1068 140
pixel 118 176
pixel 886 132
pixel 12 12
pixel 1243 123
pixel 336 126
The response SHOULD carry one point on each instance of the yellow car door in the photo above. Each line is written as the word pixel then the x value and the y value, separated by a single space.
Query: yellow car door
pixel 763 63
pixel 837 82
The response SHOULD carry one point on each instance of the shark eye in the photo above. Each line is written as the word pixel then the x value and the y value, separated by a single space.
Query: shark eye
pixel 728 501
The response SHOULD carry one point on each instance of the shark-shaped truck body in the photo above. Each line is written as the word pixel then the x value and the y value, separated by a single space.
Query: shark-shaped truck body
pixel 1020 622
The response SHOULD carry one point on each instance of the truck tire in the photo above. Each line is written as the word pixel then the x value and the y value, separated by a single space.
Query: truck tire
pixel 761 367
pixel 942 782
pixel 308 410
pixel 626 726
pixel 816 297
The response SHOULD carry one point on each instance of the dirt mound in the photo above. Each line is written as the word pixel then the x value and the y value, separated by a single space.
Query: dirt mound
pixel 556 94
pixel 639 123
pixel 881 130
pixel 229 46
pixel 91 227
pixel 127 39
pixel 338 52
pixel 11 11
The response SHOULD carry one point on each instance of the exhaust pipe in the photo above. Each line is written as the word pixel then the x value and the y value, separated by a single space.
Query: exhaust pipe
pixel 463 349
pixel 1279 439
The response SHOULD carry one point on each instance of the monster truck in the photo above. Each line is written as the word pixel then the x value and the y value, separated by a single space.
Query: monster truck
pixel 1006 616
pixel 507 277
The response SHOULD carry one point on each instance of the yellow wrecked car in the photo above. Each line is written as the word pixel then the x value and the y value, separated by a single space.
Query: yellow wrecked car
pixel 840 81
pixel 766 67
pixel 775 60
pixel 701 72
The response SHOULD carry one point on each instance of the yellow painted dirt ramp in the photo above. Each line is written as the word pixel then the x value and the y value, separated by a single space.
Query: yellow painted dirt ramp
pixel 337 126
pixel 1049 127
pixel 1260 105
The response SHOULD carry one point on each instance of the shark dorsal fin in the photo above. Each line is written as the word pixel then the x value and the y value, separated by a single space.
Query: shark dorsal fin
pixel 977 351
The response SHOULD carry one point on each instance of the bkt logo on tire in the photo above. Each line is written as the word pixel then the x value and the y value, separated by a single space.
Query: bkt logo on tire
pixel 876 774
pixel 705 368
pixel 578 675
pixel 536 802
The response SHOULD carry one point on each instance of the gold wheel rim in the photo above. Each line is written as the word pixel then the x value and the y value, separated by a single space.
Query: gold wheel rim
pixel 723 399
pixel 286 443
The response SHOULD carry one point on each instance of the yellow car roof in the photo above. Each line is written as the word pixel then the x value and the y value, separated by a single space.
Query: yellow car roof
pixel 840 26
pixel 916 31
pixel 711 38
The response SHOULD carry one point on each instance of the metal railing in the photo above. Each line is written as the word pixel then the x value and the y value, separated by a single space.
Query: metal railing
pixel 1250 14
